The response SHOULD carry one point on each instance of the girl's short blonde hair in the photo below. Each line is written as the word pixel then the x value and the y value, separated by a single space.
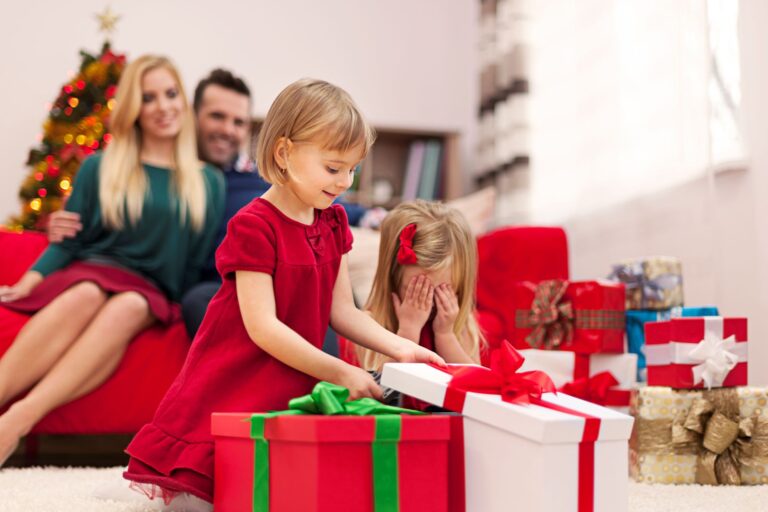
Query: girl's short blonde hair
pixel 315 111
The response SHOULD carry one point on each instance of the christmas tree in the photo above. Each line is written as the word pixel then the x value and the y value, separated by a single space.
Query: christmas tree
pixel 75 128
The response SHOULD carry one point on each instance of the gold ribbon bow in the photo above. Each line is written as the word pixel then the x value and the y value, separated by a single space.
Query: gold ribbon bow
pixel 713 430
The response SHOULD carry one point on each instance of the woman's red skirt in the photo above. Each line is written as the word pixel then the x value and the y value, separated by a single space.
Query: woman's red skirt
pixel 111 279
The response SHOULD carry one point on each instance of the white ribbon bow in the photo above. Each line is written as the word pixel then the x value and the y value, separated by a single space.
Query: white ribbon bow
pixel 716 359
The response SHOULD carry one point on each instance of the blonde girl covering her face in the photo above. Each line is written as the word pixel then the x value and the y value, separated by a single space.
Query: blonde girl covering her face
pixel 123 183
pixel 443 240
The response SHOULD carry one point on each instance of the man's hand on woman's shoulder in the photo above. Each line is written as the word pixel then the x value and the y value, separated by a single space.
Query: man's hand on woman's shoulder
pixel 63 224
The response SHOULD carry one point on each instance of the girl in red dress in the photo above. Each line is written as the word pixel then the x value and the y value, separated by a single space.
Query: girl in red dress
pixel 284 269
pixel 424 285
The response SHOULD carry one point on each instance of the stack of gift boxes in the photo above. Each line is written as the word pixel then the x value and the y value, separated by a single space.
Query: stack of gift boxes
pixel 696 421
pixel 508 437
pixel 683 375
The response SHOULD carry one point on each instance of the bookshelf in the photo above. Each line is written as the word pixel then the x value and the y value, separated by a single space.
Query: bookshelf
pixel 382 176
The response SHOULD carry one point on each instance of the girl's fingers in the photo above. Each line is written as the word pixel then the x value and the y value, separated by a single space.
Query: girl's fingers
pixel 417 288
pixel 427 304
pixel 425 289
pixel 435 359
pixel 375 391
pixel 410 290
pixel 439 301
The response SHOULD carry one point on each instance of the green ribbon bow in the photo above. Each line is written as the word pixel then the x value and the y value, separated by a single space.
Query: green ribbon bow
pixel 331 400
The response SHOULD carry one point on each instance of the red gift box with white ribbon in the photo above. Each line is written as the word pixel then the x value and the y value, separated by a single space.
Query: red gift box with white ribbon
pixel 697 352
pixel 520 440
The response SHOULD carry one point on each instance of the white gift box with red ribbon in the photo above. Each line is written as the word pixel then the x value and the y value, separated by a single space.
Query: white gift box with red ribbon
pixel 582 374
pixel 697 352
pixel 561 454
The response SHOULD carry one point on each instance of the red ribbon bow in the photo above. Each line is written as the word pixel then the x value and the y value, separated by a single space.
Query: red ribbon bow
pixel 405 254
pixel 597 389
pixel 502 378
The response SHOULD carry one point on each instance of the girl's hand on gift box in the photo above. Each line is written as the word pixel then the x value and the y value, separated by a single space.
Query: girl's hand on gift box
pixel 414 308
pixel 447 309
pixel 359 383
pixel 410 352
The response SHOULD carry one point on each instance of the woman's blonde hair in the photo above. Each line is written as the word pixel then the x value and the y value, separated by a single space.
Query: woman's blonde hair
pixel 315 111
pixel 443 239
pixel 122 182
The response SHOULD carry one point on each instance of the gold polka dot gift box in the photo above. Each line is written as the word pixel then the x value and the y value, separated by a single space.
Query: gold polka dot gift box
pixel 714 437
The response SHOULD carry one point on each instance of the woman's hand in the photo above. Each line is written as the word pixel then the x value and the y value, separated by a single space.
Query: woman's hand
pixel 413 353
pixel 414 310
pixel 447 309
pixel 22 288
pixel 359 383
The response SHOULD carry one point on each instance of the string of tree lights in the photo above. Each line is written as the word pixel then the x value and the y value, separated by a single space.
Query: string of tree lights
pixel 77 125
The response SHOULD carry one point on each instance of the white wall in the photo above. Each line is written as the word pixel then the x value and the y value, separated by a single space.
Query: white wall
pixel 717 224
pixel 408 64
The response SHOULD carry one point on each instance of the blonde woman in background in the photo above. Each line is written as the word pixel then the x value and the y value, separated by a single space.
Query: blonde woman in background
pixel 150 210
pixel 424 287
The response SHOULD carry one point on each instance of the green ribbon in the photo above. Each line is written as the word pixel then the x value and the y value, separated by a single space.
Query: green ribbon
pixel 331 400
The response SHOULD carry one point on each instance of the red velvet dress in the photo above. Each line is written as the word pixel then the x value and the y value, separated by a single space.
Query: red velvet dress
pixel 225 370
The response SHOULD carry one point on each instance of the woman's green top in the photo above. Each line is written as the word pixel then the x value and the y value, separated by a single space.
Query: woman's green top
pixel 160 247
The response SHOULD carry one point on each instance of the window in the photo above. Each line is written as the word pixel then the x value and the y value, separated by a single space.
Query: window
pixel 628 98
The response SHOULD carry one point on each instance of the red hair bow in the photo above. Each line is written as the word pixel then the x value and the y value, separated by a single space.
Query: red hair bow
pixel 405 254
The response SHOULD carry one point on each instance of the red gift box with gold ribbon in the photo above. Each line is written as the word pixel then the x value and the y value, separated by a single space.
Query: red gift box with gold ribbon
pixel 586 317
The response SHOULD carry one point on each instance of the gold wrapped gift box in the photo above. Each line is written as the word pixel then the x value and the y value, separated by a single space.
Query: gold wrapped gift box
pixel 695 436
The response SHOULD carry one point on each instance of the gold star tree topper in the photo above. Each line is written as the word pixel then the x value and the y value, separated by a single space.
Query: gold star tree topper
pixel 107 20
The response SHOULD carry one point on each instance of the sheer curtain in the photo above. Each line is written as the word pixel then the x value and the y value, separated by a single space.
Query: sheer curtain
pixel 619 102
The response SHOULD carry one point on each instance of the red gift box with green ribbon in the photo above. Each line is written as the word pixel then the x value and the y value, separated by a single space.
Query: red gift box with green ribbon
pixel 328 454
pixel 586 317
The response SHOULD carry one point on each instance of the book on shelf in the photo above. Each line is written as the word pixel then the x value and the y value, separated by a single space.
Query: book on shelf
pixel 413 170
pixel 430 171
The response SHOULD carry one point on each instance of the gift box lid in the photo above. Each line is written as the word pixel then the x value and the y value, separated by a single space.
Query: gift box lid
pixel 533 422
pixel 694 329
pixel 329 429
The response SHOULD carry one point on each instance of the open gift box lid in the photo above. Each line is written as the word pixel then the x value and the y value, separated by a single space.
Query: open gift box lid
pixel 537 423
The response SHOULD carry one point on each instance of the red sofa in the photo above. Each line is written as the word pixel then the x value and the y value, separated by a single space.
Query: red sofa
pixel 129 397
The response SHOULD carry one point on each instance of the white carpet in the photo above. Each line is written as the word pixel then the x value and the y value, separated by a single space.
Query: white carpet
pixel 65 490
